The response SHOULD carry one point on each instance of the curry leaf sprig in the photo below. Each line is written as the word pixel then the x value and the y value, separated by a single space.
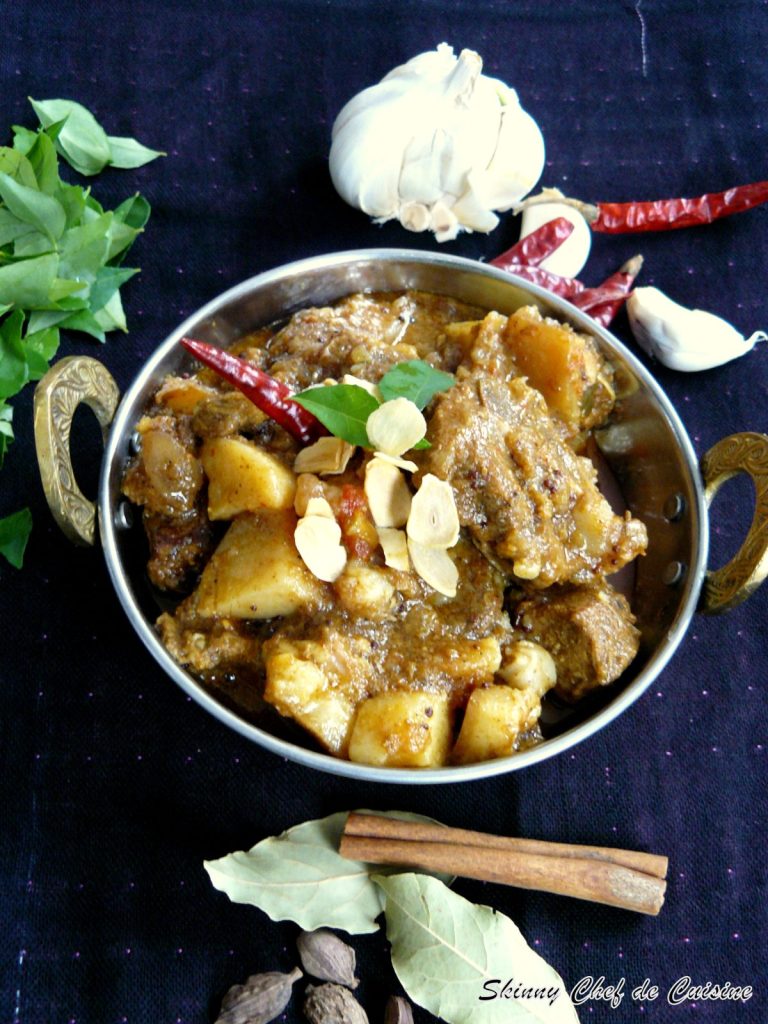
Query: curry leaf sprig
pixel 61 256
pixel 343 409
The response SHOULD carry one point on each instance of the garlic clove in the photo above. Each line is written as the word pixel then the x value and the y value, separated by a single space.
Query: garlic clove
pixel 318 541
pixel 681 338
pixel 326 455
pixel 396 426
pixel 433 520
pixel 389 498
pixel 569 258
pixel 435 566
pixel 394 544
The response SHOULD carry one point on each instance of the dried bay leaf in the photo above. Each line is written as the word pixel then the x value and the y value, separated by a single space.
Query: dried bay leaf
pixel 300 876
pixel 451 956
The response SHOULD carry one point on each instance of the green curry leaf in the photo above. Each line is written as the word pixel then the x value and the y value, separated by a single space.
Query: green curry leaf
pixel 128 153
pixel 14 534
pixel 342 408
pixel 415 380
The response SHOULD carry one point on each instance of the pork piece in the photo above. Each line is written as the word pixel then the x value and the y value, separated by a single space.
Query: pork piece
pixel 589 631
pixel 565 366
pixel 166 479
pixel 529 502
pixel 165 476
pixel 179 547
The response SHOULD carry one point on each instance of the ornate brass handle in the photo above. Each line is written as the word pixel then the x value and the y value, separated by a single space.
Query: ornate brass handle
pixel 730 585
pixel 71 381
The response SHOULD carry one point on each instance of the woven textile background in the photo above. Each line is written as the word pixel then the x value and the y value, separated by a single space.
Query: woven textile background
pixel 114 787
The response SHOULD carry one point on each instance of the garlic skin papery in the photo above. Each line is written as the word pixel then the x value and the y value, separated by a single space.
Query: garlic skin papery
pixel 681 338
pixel 436 145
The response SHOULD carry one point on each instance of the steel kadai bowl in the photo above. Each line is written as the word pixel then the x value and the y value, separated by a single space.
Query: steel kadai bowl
pixel 645 445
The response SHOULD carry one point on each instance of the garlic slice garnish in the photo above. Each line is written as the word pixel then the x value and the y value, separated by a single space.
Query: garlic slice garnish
pixel 396 426
pixel 318 541
pixel 389 498
pixel 327 455
pixel 435 566
pixel 434 520
pixel 394 544
pixel 396 460
pixel 319 507
pixel 437 145
pixel 366 385
pixel 684 339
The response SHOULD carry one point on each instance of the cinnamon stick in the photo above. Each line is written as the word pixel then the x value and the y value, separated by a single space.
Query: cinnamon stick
pixel 602 875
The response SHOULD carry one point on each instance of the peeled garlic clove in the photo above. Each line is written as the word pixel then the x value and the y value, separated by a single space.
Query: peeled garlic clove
pixel 433 521
pixel 684 339
pixel 394 544
pixel 389 498
pixel 326 455
pixel 569 258
pixel 528 666
pixel 435 566
pixel 318 541
pixel 395 426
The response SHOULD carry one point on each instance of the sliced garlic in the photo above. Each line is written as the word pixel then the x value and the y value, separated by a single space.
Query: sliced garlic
pixel 327 455
pixel 433 521
pixel 389 498
pixel 366 385
pixel 681 338
pixel 394 544
pixel 435 566
pixel 396 426
pixel 318 541
pixel 437 145
pixel 569 257
pixel 396 460
pixel 319 507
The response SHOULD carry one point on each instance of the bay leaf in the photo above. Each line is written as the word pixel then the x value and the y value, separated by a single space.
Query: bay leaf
pixel 300 876
pixel 456 958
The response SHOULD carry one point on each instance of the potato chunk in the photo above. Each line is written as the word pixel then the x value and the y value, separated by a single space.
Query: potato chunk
pixel 402 729
pixel 301 690
pixel 494 721
pixel 566 367
pixel 256 571
pixel 244 478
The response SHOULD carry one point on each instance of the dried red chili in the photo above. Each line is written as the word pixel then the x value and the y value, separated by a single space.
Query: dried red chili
pixel 659 214
pixel 565 286
pixel 604 302
pixel 267 393
pixel 531 250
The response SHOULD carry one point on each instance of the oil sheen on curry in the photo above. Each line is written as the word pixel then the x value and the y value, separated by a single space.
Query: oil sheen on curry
pixel 404 608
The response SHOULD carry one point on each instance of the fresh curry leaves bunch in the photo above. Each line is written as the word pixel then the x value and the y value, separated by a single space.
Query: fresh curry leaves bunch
pixel 61 256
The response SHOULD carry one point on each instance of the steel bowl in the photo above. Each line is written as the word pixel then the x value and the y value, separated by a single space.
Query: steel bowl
pixel 645 445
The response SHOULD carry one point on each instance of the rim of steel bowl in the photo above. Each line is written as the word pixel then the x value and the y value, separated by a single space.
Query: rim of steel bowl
pixel 109 499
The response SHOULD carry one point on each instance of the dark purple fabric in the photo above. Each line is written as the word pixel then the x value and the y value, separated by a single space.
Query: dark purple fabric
pixel 115 786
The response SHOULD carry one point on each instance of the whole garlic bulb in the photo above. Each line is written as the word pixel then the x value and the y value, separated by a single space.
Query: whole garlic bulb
pixel 681 338
pixel 437 145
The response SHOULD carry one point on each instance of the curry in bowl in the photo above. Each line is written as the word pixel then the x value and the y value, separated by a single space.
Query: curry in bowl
pixel 412 600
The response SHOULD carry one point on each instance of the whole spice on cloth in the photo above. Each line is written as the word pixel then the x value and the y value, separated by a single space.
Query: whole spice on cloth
pixel 332 1004
pixel 262 998
pixel 327 957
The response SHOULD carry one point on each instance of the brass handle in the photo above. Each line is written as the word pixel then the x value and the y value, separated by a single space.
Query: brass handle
pixel 71 381
pixel 740 453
